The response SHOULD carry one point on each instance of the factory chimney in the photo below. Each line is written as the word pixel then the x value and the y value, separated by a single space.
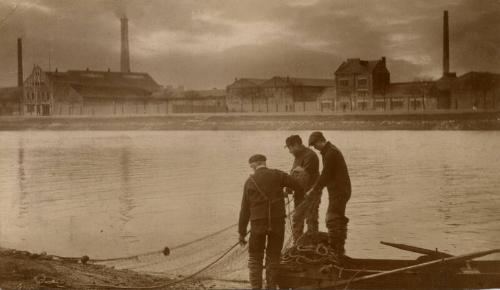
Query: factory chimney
pixel 125 58
pixel 20 76
pixel 446 45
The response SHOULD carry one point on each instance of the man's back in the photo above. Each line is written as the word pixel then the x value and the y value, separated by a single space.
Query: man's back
pixel 263 186
pixel 335 173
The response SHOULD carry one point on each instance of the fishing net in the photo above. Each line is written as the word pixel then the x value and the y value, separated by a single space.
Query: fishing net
pixel 214 257
pixel 310 249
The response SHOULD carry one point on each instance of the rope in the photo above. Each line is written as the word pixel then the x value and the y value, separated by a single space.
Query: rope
pixel 187 277
pixel 86 259
pixel 352 278
pixel 170 283
pixel 289 214
pixel 136 256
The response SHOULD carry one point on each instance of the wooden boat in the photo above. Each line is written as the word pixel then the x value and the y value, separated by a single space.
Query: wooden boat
pixel 433 270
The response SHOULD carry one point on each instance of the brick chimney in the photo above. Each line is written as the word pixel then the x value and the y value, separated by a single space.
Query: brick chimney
pixel 125 57
pixel 446 45
pixel 20 77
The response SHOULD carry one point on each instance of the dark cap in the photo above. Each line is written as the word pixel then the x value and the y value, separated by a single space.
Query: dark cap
pixel 315 137
pixel 257 158
pixel 293 140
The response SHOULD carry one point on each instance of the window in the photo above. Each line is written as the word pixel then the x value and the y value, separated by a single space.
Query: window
pixel 362 93
pixel 362 82
pixel 344 83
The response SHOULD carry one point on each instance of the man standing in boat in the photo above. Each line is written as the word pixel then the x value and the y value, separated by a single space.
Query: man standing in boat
pixel 305 170
pixel 263 205
pixel 335 177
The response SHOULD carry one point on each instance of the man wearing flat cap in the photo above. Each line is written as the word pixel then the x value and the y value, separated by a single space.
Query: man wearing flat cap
pixel 305 170
pixel 263 205
pixel 335 177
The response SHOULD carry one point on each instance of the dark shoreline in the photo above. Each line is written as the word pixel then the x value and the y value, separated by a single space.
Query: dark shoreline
pixel 368 121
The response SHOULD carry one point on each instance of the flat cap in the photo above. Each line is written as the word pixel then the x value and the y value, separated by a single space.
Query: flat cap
pixel 257 158
pixel 315 137
pixel 292 140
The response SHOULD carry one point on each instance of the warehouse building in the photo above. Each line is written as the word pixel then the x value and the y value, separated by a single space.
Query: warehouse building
pixel 196 101
pixel 280 95
pixel 90 92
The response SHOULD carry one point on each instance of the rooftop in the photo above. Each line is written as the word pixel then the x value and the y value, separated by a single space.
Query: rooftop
pixel 305 82
pixel 89 78
pixel 246 82
pixel 356 65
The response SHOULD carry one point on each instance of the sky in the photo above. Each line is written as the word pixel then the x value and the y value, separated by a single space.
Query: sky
pixel 202 44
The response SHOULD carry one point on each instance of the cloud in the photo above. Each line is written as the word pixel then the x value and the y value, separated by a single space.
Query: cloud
pixel 208 43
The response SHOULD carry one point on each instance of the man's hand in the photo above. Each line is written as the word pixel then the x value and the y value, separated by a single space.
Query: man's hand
pixel 298 169
pixel 242 240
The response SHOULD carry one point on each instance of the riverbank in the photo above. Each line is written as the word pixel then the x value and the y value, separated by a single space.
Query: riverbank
pixel 366 121
pixel 24 270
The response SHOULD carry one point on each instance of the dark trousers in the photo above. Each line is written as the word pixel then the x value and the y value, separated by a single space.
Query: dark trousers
pixel 261 241
pixel 336 221
pixel 311 218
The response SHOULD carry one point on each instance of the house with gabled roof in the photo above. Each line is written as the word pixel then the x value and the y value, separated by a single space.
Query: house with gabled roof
pixel 291 94
pixel 359 82
pixel 243 94
pixel 280 94
pixel 90 92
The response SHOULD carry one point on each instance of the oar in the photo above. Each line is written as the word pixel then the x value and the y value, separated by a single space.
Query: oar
pixel 418 250
pixel 464 257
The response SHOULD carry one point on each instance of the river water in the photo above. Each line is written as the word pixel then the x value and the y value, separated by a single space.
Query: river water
pixel 109 194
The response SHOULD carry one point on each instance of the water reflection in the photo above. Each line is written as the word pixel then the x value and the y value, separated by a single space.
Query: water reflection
pixel 125 198
pixel 23 204
pixel 117 193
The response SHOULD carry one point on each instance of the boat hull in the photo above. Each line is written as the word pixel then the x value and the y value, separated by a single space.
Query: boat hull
pixel 470 275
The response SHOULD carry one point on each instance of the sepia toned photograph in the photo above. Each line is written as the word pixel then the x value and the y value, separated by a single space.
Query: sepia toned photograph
pixel 249 144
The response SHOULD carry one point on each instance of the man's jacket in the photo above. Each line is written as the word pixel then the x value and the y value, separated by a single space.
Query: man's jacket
pixel 334 175
pixel 309 161
pixel 263 196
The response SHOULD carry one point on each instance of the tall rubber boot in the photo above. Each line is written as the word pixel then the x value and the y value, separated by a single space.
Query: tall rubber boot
pixel 337 234
pixel 255 272
pixel 271 277
pixel 337 244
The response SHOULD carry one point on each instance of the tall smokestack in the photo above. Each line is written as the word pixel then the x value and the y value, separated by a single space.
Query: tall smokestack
pixel 125 58
pixel 446 45
pixel 20 76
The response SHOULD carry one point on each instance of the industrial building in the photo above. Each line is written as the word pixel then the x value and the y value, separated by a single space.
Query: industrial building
pixel 280 95
pixel 90 92
pixel 357 85
pixel 196 101
pixel 364 85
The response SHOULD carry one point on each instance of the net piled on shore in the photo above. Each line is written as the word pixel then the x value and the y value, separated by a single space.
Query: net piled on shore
pixel 188 258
